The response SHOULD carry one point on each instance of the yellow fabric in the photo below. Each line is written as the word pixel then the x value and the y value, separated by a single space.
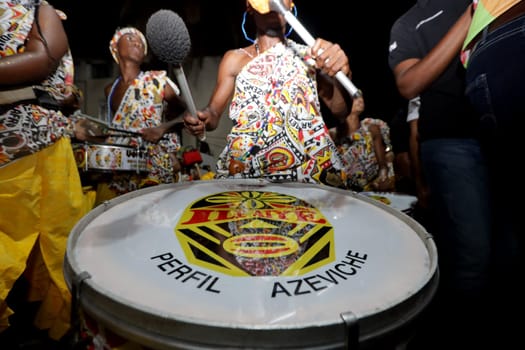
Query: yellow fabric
pixel 104 193
pixel 41 199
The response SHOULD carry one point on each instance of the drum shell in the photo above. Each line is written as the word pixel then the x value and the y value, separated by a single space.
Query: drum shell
pixel 163 331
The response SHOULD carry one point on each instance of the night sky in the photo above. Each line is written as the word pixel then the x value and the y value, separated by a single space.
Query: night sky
pixel 214 26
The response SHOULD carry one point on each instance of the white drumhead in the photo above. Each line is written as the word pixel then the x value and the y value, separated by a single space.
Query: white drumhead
pixel 236 256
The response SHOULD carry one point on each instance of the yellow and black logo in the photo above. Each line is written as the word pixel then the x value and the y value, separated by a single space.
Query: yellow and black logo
pixel 255 233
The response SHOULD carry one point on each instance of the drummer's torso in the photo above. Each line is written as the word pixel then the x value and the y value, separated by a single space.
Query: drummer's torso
pixel 138 104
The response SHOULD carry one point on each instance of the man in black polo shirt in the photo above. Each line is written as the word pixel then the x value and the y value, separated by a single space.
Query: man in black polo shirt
pixel 424 56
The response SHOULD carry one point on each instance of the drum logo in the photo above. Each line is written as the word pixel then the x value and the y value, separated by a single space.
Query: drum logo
pixel 255 233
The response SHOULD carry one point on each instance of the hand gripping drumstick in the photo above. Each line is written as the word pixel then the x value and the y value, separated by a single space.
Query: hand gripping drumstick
pixel 265 6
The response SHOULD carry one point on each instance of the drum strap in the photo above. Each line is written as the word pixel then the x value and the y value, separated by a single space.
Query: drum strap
pixel 351 330
pixel 109 116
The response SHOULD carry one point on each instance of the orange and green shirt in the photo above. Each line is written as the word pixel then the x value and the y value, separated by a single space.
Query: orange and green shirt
pixel 486 11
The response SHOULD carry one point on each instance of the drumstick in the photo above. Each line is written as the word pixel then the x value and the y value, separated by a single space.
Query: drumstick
pixel 126 132
pixel 265 6
pixel 113 135
pixel 105 127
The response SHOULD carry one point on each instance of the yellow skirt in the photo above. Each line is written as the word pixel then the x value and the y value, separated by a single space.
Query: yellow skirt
pixel 41 199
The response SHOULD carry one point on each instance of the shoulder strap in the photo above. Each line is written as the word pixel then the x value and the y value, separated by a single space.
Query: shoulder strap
pixel 109 115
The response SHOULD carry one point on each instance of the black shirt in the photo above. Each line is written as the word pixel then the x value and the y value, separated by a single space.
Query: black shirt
pixel 445 110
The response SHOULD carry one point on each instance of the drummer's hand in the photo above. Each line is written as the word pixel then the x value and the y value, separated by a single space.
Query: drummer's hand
pixel 85 130
pixel 330 57
pixel 194 125
pixel 152 135
pixel 383 182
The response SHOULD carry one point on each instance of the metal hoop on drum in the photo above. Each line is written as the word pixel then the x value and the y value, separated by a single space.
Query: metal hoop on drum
pixel 400 201
pixel 251 264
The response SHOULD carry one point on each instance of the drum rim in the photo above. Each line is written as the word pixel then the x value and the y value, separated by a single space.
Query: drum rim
pixel 187 332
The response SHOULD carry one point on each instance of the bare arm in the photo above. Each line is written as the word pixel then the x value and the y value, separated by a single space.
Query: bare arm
pixel 381 182
pixel 379 146
pixel 175 104
pixel 154 134
pixel 37 62
pixel 421 188
pixel 209 117
pixel 414 75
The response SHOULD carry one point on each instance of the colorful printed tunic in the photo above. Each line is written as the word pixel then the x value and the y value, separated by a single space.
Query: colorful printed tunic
pixel 41 195
pixel 142 106
pixel 361 165
pixel 278 131
pixel 26 128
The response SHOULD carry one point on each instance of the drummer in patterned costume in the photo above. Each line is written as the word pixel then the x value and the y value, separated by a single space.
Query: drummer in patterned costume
pixel 274 86
pixel 139 101
pixel 41 196
pixel 364 144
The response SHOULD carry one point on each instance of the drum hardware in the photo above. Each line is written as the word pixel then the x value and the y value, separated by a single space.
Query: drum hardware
pixel 85 156
pixel 352 329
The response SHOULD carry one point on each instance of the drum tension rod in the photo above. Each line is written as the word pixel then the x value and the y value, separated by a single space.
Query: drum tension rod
pixel 86 148
pixel 351 330
pixel 75 303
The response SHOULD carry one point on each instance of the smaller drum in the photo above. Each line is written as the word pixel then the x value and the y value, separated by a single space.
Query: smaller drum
pixel 400 201
pixel 106 157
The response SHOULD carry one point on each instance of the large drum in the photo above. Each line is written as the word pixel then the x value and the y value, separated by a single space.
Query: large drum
pixel 249 264
pixel 110 158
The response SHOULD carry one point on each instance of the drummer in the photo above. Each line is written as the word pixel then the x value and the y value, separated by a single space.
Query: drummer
pixel 41 195
pixel 135 102
pixel 273 89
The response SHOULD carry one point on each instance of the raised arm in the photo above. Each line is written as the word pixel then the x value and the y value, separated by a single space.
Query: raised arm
pixel 221 96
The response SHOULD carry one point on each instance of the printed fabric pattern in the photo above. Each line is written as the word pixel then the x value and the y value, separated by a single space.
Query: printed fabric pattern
pixel 26 128
pixel 278 131
pixel 142 107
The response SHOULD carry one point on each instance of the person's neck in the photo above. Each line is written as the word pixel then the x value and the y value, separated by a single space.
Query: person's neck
pixel 264 41
pixel 129 72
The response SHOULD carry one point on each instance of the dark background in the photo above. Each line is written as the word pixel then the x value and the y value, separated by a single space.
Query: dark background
pixel 362 28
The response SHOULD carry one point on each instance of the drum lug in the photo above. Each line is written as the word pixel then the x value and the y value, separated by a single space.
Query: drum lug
pixel 86 147
pixel 76 328
pixel 351 330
